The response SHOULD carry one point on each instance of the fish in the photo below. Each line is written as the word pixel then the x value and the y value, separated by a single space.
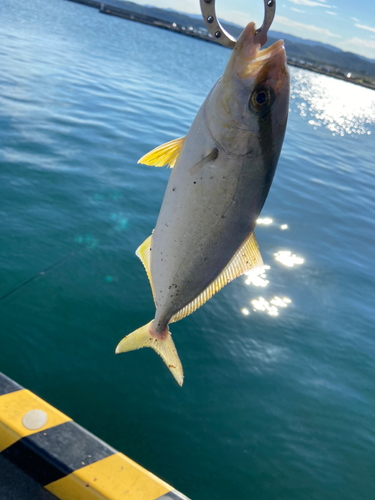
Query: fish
pixel 222 171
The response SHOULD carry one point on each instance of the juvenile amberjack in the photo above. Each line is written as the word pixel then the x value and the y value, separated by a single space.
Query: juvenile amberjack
pixel 222 172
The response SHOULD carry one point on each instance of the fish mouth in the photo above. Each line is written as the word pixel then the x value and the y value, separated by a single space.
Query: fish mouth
pixel 250 58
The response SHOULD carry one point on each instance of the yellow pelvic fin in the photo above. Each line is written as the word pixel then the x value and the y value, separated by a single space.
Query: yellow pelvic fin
pixel 164 347
pixel 143 252
pixel 245 259
pixel 166 154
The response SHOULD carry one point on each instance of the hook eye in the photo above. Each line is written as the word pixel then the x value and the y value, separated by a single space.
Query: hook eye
pixel 222 36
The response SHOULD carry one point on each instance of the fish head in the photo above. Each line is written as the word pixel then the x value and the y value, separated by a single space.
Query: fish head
pixel 252 96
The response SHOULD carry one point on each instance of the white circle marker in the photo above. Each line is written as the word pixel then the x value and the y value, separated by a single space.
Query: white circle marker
pixel 34 419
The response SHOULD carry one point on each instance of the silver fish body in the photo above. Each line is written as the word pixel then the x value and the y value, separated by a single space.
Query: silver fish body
pixel 216 190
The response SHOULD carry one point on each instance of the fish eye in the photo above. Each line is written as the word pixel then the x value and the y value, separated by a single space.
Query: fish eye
pixel 260 99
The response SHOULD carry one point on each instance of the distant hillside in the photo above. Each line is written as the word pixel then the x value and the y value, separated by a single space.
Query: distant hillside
pixel 304 41
pixel 296 48
pixel 346 61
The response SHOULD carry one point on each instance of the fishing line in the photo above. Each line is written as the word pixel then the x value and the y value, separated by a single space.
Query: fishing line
pixel 90 243
pixel 41 273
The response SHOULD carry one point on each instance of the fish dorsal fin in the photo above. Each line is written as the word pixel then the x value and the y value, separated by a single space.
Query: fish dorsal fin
pixel 144 253
pixel 166 154
pixel 246 258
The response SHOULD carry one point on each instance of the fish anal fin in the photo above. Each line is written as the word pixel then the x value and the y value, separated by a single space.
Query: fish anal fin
pixel 163 346
pixel 143 252
pixel 166 154
pixel 246 258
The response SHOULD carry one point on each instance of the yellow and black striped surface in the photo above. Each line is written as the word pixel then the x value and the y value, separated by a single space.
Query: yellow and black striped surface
pixel 53 457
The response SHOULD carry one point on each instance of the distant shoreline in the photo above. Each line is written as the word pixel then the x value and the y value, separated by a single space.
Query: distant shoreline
pixel 338 76
pixel 189 31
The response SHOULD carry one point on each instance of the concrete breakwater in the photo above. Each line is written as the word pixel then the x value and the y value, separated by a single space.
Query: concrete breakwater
pixel 89 3
pixel 115 10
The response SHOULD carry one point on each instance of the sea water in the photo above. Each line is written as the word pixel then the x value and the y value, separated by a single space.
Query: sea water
pixel 279 395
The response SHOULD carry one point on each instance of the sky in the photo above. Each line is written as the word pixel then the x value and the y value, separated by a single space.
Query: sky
pixel 347 24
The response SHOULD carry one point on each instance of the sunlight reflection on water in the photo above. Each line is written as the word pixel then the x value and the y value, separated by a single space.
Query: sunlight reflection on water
pixel 288 259
pixel 329 103
pixel 258 278
pixel 270 307
pixel 266 221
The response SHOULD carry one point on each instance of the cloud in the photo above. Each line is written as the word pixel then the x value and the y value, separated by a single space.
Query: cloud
pixel 311 3
pixel 332 13
pixel 297 10
pixel 368 28
pixel 306 27
pixel 355 19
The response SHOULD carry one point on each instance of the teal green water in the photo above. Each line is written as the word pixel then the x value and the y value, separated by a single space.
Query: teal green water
pixel 278 403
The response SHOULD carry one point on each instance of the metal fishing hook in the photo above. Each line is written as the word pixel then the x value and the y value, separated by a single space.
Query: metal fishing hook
pixel 222 36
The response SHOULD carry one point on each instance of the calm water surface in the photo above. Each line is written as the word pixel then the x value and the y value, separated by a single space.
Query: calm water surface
pixel 279 395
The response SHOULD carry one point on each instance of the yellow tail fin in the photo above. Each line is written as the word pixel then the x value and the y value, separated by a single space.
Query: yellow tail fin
pixel 165 348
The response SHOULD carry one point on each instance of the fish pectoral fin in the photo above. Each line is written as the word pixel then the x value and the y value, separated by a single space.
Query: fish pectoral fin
pixel 166 154
pixel 163 346
pixel 247 258
pixel 143 252
pixel 210 157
